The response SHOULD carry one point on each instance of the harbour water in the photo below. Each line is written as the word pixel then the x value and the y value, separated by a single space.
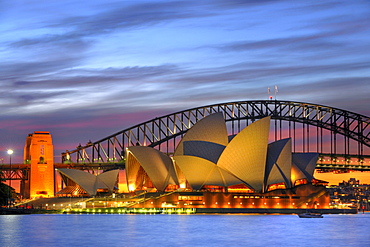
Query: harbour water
pixel 183 230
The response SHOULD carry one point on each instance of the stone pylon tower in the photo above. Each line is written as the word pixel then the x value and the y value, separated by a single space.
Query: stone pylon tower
pixel 39 153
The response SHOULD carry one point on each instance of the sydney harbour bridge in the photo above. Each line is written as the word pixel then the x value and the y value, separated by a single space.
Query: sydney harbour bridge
pixel 342 138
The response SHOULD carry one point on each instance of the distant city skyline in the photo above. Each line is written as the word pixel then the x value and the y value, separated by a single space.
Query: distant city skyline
pixel 84 70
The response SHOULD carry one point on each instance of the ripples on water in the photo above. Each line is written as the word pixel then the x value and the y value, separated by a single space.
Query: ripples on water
pixel 184 230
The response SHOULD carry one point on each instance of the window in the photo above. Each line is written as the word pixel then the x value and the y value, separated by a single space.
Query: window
pixel 42 160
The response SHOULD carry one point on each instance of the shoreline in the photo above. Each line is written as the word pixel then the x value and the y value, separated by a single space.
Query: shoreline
pixel 15 211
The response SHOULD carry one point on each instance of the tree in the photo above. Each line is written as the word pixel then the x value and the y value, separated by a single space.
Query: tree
pixel 5 191
pixel 2 179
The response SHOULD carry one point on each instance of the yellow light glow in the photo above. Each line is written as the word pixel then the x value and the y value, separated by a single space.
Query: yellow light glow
pixel 131 187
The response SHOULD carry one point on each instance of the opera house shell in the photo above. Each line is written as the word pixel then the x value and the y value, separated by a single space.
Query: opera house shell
pixel 213 168
pixel 206 157
pixel 210 169
pixel 83 183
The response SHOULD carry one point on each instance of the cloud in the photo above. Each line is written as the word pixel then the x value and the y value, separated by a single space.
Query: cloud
pixel 86 71
pixel 302 43
pixel 82 30
pixel 333 92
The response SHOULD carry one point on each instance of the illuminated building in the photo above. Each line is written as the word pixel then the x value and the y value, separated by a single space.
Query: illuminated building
pixel 210 169
pixel 39 153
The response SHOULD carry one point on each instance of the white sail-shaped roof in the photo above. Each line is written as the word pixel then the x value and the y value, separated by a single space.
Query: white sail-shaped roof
pixel 207 150
pixel 158 166
pixel 132 168
pixel 209 129
pixel 279 163
pixel 306 162
pixel 205 156
pixel 89 182
pixel 83 179
pixel 109 178
pixel 200 172
pixel 245 155
pixel 297 174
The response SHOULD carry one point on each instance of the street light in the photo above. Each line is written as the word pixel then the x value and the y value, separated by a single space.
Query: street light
pixel 10 152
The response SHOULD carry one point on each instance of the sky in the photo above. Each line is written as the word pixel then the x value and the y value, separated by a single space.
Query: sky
pixel 84 70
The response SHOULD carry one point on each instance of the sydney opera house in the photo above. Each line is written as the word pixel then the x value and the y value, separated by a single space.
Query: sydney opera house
pixel 210 169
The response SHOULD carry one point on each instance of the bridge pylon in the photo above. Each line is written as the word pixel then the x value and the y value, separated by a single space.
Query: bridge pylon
pixel 39 154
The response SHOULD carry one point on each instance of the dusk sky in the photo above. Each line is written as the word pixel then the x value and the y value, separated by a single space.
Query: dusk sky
pixel 84 70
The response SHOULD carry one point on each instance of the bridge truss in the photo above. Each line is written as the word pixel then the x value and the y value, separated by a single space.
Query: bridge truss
pixel 341 137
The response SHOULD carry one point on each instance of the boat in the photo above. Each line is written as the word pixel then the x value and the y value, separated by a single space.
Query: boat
pixel 310 215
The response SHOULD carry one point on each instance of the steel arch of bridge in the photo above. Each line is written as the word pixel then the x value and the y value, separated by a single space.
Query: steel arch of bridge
pixel 313 128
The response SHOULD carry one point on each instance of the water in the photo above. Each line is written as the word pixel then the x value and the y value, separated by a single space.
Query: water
pixel 183 230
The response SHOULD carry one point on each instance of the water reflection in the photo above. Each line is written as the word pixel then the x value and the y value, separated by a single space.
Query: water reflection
pixel 11 230
pixel 183 230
